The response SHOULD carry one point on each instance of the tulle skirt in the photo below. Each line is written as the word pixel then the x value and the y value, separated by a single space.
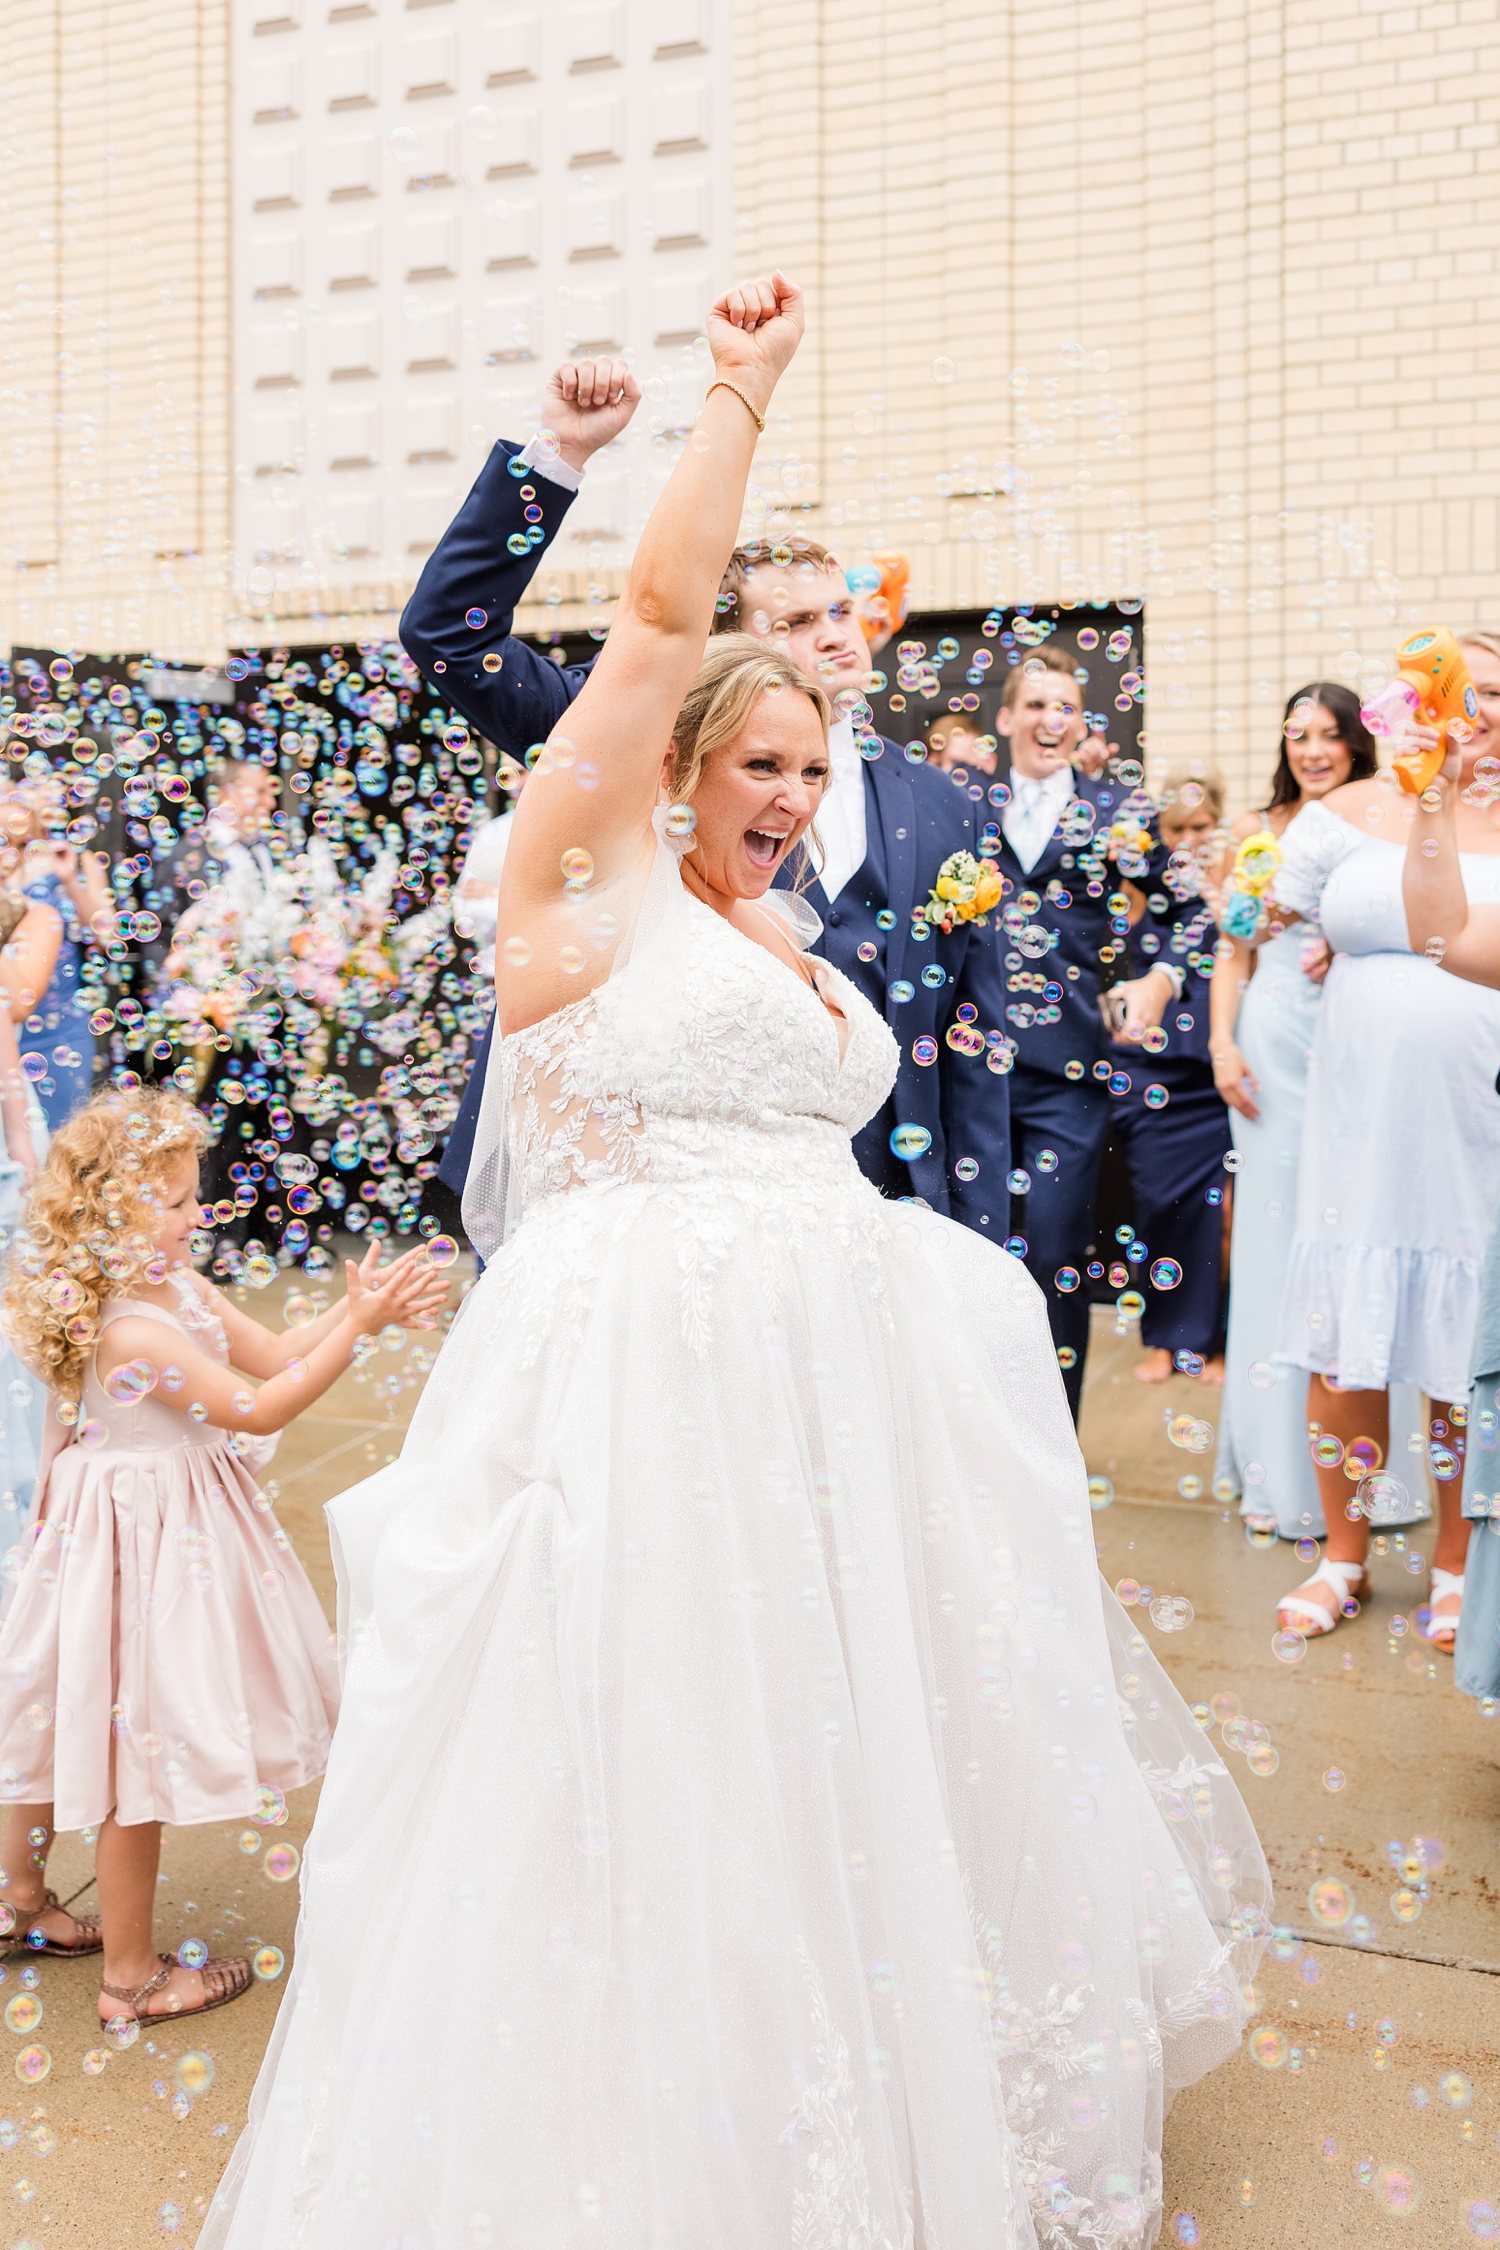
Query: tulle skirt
pixel 750 1820
pixel 164 1655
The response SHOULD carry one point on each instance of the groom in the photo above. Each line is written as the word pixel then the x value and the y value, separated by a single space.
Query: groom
pixel 886 825
pixel 1059 860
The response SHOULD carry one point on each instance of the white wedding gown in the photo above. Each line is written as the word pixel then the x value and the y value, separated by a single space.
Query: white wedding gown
pixel 751 1825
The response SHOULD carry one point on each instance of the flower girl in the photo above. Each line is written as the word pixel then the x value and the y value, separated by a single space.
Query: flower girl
pixel 165 1657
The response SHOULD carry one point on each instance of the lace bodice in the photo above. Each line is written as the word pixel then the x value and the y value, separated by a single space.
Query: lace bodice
pixel 707 1060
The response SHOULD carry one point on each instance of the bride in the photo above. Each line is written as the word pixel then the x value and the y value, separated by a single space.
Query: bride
pixel 750 1823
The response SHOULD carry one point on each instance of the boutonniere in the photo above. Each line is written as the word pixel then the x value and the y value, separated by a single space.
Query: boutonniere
pixel 965 887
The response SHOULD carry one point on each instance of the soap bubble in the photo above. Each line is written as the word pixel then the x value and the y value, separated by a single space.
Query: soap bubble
pixel 1288 1646
pixel 910 1141
pixel 192 1953
pixel 1268 2047
pixel 681 820
pixel 268 1963
pixel 577 865
pixel 1165 1274
pixel 943 370
pixel 281 1863
pixel 1101 1493
pixel 32 2065
pixel 516 951
pixel 441 1250
pixel 1171 1613
pixel 405 145
pixel 194 2073
pixel 1330 1902
pixel 1398 2189
pixel 129 1384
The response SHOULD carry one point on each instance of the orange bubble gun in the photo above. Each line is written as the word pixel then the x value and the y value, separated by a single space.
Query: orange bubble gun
pixel 1432 689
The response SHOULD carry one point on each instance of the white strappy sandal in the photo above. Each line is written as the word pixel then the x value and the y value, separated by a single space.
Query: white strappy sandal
pixel 1348 1580
pixel 1442 1632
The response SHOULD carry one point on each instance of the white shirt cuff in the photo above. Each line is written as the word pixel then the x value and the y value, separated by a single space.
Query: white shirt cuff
pixel 549 465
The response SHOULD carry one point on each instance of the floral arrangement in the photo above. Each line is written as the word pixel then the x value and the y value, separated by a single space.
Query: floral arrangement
pixel 965 887
pixel 322 945
pixel 1255 864
pixel 1129 843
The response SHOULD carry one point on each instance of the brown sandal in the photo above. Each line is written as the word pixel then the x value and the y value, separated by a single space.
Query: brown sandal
pixel 224 1979
pixel 23 1930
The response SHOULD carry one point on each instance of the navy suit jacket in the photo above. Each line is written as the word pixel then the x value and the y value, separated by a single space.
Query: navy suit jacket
pixel 914 819
pixel 1052 1003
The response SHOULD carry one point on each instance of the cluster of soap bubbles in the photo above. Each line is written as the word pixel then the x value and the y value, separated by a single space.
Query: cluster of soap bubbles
pixel 332 1097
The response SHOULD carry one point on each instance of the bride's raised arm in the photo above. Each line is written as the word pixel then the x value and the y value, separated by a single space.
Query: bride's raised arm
pixel 584 818
pixel 1439 919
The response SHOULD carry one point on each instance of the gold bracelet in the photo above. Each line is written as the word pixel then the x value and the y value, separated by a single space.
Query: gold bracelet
pixel 721 383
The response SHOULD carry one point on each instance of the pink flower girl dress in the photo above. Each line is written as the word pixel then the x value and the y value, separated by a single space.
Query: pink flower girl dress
pixel 165 1655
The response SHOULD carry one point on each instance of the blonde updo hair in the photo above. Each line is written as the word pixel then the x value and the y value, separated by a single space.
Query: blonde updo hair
pixel 737 669
pixel 87 1232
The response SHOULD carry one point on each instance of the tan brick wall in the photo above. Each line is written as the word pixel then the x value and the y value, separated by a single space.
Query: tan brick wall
pixel 1269 233
pixel 115 352
pixel 1278 223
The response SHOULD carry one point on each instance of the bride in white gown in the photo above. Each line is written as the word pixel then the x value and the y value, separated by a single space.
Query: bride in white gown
pixel 750 1823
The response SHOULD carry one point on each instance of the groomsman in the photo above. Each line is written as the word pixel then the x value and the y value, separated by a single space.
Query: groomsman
pixel 887 824
pixel 1060 944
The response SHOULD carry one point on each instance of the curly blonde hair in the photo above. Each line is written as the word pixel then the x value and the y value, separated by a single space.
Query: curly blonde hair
pixel 87 1231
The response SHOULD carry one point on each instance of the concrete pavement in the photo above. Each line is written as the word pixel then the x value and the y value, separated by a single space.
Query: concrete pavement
pixel 1364 2111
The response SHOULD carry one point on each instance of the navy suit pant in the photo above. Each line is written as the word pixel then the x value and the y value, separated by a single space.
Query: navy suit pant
pixel 1175 1157
pixel 1056 1216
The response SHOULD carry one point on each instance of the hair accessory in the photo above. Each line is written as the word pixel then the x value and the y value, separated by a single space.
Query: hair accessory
pixel 721 383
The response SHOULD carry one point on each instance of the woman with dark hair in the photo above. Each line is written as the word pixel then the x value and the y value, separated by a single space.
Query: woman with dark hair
pixel 1399 1174
pixel 1264 1011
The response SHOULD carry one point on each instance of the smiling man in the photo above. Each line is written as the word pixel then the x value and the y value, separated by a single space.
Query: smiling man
pixel 1057 964
pixel 884 829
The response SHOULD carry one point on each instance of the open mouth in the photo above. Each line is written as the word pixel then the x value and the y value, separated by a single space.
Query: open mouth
pixel 762 849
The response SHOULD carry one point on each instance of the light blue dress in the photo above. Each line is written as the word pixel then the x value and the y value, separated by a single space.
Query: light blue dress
pixel 1263 1444
pixel 57 1047
pixel 23 1400
pixel 1476 1657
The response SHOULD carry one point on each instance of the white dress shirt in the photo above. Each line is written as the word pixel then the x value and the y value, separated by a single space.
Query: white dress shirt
pixel 234 854
pixel 544 463
pixel 840 825
pixel 476 916
pixel 1034 811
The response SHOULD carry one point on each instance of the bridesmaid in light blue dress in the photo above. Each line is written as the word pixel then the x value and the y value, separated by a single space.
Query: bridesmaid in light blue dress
pixel 1264 1011
pixel 23 1400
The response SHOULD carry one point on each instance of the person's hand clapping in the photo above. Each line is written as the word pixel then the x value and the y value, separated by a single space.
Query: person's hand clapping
pixel 1144 1003
pixel 588 402
pixel 753 331
pixel 406 1292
